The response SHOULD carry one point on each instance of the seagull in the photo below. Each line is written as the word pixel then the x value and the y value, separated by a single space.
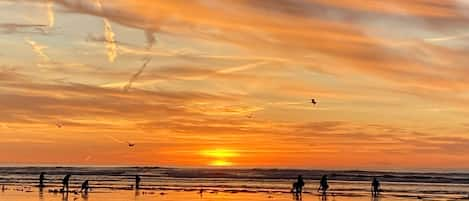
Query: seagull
pixel 59 125
pixel 313 101
pixel 250 116
pixel 130 144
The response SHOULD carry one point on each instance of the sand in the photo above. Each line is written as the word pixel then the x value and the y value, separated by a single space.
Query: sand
pixel 31 194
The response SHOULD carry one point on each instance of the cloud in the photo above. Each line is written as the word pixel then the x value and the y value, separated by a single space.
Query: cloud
pixel 346 31
pixel 11 28
pixel 109 35
pixel 110 41
pixel 219 60
pixel 38 49
pixel 50 13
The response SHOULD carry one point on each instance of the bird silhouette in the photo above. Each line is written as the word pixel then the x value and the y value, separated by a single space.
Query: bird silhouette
pixel 59 125
pixel 250 116
pixel 130 144
pixel 313 101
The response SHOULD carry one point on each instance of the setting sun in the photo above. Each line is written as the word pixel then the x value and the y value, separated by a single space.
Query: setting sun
pixel 219 153
pixel 220 163
pixel 218 156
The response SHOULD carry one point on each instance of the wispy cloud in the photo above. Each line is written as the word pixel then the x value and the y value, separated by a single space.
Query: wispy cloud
pixel 242 68
pixel 109 35
pixel 50 13
pixel 110 41
pixel 38 49
pixel 11 28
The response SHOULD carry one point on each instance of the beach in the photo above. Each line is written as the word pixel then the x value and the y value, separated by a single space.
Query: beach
pixel 117 183
pixel 121 195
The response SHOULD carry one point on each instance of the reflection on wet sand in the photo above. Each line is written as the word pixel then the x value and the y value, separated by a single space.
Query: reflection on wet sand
pixel 84 196
pixel 41 193
pixel 322 197
pixel 147 194
pixel 64 196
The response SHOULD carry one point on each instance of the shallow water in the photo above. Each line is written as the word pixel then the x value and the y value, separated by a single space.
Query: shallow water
pixel 223 184
pixel 142 195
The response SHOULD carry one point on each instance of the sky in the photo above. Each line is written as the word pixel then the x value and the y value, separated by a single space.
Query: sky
pixel 208 83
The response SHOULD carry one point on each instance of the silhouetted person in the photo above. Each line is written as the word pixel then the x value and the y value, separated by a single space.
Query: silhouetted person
pixel 85 186
pixel 137 182
pixel 201 192
pixel 375 187
pixel 298 185
pixel 41 180
pixel 65 182
pixel 323 185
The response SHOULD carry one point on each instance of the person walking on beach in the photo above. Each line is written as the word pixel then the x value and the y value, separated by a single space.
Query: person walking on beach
pixel 41 180
pixel 65 182
pixel 375 185
pixel 85 187
pixel 323 185
pixel 298 185
pixel 137 182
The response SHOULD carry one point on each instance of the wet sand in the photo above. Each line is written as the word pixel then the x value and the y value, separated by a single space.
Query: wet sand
pixel 150 195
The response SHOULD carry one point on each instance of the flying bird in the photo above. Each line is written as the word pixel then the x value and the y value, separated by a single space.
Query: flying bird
pixel 59 125
pixel 130 144
pixel 313 101
pixel 250 116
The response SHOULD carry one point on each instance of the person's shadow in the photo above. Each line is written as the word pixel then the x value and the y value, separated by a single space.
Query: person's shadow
pixel 136 194
pixel 322 197
pixel 84 196
pixel 297 196
pixel 41 194
pixel 64 196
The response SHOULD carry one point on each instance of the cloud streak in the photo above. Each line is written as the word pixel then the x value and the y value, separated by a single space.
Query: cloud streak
pixel 109 36
pixel 50 13
pixel 38 49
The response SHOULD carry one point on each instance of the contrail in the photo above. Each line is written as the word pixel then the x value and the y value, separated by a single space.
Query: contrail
pixel 436 39
pixel 447 38
pixel 115 139
pixel 109 35
pixel 135 76
pixel 38 49
pixel 50 14
pixel 110 41
pixel 150 42
pixel 150 38
pixel 242 68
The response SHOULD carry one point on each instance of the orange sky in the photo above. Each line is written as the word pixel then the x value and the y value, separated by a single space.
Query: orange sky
pixel 229 83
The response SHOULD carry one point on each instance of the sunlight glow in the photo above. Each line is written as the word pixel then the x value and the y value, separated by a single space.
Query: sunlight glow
pixel 219 153
pixel 220 163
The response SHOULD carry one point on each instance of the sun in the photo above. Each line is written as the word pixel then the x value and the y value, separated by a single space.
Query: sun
pixel 220 163
pixel 219 153
pixel 219 157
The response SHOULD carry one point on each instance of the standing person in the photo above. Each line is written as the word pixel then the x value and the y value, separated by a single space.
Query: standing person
pixel 137 182
pixel 375 185
pixel 299 184
pixel 65 182
pixel 41 180
pixel 323 185
pixel 85 186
